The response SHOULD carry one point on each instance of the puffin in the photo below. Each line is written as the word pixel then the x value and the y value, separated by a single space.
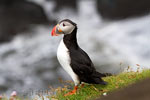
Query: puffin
pixel 73 59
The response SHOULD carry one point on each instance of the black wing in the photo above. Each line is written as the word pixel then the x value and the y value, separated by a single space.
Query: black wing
pixel 81 62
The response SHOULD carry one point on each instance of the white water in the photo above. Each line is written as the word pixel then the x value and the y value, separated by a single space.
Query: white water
pixel 108 43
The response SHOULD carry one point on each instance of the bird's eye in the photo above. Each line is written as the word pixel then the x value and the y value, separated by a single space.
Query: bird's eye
pixel 64 24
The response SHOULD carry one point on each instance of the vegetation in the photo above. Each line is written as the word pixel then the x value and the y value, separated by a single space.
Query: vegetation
pixel 90 92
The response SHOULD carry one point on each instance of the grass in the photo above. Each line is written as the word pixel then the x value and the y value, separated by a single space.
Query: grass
pixel 90 92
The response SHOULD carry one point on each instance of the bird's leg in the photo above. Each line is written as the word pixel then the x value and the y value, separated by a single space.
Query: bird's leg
pixel 72 92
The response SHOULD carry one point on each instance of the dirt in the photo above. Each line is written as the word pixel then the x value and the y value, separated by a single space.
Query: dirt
pixel 137 91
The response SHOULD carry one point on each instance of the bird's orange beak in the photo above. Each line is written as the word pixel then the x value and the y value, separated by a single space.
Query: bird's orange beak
pixel 56 31
pixel 53 33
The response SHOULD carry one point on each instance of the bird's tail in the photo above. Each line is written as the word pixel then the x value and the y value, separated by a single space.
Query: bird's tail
pixel 99 81
pixel 97 74
pixel 97 77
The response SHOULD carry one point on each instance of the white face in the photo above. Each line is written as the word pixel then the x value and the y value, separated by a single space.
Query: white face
pixel 66 27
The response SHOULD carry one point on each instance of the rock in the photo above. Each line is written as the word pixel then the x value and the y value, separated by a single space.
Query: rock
pixel 119 9
pixel 138 91
pixel 17 15
pixel 65 3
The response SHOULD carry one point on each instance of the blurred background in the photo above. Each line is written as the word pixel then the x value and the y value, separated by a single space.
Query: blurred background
pixel 115 34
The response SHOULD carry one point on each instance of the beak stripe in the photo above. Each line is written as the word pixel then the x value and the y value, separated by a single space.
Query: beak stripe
pixel 53 33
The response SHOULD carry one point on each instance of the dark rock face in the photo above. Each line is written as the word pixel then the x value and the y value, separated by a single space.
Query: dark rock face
pixel 17 15
pixel 66 3
pixel 119 9
pixel 138 91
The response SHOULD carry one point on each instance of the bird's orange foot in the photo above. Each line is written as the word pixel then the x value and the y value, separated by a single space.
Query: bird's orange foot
pixel 72 92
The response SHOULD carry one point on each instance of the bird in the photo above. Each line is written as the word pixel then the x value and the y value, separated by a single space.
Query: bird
pixel 73 59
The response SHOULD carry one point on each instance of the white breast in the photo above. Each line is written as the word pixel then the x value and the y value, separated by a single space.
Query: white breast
pixel 64 59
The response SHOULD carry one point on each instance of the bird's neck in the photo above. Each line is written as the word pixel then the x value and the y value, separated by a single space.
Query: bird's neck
pixel 70 40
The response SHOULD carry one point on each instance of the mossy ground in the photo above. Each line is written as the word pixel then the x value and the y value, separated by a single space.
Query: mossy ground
pixel 90 92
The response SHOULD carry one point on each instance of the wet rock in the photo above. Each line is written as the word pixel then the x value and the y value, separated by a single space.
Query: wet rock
pixel 66 3
pixel 119 9
pixel 17 15
pixel 138 91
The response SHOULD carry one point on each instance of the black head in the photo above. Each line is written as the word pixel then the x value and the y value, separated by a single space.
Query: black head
pixel 65 27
